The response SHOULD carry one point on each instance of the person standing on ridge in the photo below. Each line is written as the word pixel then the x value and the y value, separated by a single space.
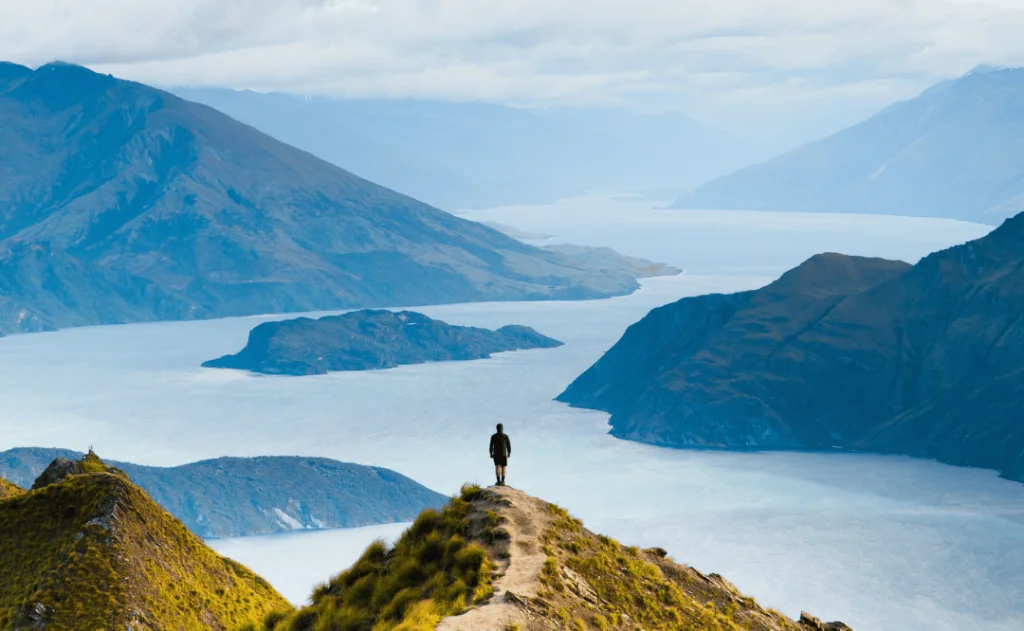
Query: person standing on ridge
pixel 501 449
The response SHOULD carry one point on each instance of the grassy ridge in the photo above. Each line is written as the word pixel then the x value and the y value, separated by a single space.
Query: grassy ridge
pixel 9 490
pixel 593 582
pixel 445 563
pixel 93 551
pixel 436 569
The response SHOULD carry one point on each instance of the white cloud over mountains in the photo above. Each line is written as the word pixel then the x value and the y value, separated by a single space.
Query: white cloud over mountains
pixel 733 60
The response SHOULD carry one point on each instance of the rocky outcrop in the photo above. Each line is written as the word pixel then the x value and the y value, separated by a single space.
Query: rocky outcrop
pixel 841 352
pixel 370 339
pixel 809 622
pixel 62 468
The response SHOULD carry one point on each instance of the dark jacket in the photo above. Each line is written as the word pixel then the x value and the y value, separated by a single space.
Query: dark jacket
pixel 501 445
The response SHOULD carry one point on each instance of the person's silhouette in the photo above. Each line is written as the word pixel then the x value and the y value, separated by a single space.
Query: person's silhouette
pixel 501 449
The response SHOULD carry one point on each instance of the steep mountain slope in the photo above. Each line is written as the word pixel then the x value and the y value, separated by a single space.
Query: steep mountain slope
pixel 471 155
pixel 370 339
pixel 7 489
pixel 229 497
pixel 499 559
pixel 90 550
pixel 119 202
pixel 841 351
pixel 957 150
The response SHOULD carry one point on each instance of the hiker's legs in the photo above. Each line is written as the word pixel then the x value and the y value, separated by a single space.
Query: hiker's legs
pixel 497 472
pixel 502 474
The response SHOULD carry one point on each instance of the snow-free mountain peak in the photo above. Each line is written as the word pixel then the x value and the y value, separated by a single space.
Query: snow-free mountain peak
pixel 956 150
pixel 120 202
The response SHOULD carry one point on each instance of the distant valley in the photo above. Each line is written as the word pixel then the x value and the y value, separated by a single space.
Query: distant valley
pixel 846 352
pixel 472 155
pixel 955 151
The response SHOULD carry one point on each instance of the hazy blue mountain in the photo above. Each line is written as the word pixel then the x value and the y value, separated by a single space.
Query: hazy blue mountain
pixel 460 155
pixel 120 202
pixel 370 339
pixel 957 150
pixel 229 497
pixel 660 154
pixel 592 257
pixel 842 352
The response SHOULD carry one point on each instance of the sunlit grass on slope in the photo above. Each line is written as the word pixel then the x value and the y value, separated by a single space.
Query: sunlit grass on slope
pixel 9 490
pixel 593 582
pixel 92 551
pixel 434 570
pixel 445 563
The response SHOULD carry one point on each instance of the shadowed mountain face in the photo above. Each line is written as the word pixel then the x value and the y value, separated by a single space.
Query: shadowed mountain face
pixel 841 351
pixel 119 202
pixel 957 151
pixel 471 155
pixel 368 340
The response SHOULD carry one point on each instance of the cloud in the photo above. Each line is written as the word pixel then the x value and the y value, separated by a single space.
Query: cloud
pixel 718 59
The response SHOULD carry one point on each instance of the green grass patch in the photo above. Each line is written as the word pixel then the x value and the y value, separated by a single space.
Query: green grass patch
pixel 434 570
pixel 93 551
pixel 8 489
pixel 637 588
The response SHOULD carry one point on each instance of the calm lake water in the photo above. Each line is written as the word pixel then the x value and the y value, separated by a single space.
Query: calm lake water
pixel 883 543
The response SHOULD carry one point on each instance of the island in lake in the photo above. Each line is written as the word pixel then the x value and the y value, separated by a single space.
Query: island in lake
pixel 370 339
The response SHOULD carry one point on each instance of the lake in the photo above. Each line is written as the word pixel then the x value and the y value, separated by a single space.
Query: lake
pixel 882 543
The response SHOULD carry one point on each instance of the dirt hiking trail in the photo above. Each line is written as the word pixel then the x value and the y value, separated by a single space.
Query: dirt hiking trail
pixel 526 519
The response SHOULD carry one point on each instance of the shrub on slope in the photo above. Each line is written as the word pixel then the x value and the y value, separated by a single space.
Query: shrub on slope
pixel 501 560
pixel 435 569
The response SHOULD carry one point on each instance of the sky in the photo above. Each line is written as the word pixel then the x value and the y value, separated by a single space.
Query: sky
pixel 783 69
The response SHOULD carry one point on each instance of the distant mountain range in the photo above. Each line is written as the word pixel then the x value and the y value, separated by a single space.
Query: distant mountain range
pixel 370 339
pixel 472 155
pixel 120 202
pixel 865 354
pixel 956 151
pixel 229 497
